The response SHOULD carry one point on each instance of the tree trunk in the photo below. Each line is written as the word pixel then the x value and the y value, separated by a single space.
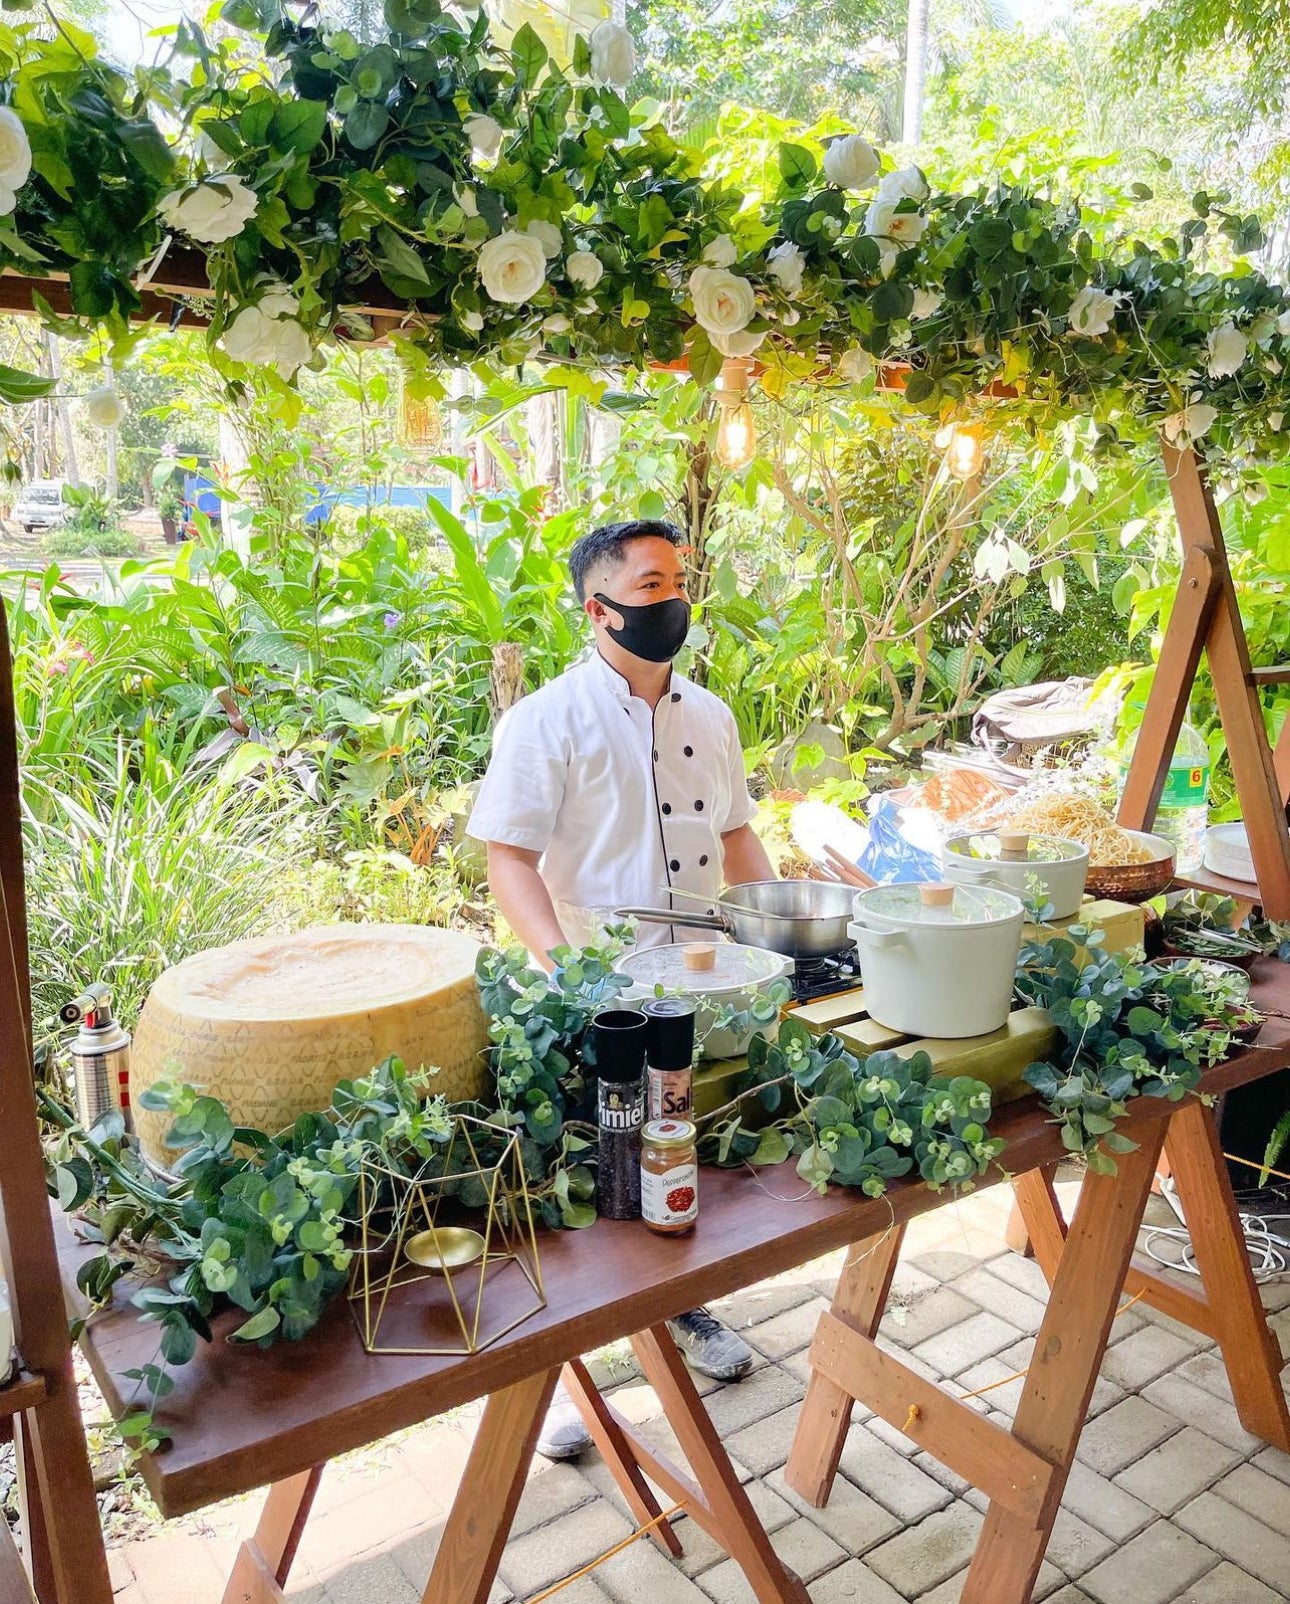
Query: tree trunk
pixel 915 71
pixel 71 471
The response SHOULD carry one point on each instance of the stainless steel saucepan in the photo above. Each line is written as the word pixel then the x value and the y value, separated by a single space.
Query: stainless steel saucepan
pixel 800 918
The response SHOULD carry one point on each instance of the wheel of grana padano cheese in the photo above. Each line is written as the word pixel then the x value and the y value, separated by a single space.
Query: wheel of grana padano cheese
pixel 271 1025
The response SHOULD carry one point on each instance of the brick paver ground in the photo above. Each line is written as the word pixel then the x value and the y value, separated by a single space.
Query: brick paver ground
pixel 1171 1501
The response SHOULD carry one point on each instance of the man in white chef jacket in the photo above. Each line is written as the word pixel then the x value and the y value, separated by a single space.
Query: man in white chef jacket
pixel 609 787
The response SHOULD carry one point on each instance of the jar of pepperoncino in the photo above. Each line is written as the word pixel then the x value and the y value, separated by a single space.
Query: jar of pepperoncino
pixel 669 1176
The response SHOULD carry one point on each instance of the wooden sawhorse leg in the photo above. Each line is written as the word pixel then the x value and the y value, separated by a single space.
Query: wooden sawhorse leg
pixel 712 1495
pixel 264 1561
pixel 1023 1470
pixel 1226 1307
pixel 859 1302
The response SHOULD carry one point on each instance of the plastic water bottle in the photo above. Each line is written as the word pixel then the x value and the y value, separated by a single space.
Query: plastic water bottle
pixel 1183 814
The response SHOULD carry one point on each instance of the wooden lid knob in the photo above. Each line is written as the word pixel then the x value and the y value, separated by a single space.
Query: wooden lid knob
pixel 936 895
pixel 699 955
pixel 1014 843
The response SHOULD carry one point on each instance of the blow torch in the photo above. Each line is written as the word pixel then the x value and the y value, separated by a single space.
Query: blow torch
pixel 100 1056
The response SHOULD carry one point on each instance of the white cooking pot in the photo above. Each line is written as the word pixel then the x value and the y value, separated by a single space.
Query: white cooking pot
pixel 1024 864
pixel 938 960
pixel 737 977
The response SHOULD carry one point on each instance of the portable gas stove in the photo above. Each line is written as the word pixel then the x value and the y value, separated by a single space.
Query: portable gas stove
pixel 825 973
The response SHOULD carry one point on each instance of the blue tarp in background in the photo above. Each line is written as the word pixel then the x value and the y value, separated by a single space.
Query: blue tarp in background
pixel 200 495
pixel 379 496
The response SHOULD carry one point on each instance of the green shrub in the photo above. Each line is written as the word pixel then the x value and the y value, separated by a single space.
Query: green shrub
pixel 75 540
pixel 129 872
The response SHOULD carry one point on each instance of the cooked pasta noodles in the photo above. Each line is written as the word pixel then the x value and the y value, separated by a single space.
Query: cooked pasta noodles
pixel 1076 818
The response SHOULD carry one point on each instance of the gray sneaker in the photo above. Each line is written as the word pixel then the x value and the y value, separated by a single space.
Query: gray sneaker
pixel 709 1347
pixel 563 1434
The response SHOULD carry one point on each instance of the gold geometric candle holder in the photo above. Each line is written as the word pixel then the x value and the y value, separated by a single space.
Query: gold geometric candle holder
pixel 430 1276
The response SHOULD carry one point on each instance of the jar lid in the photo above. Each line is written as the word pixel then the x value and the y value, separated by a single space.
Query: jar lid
pixel 669 1133
pixel 906 904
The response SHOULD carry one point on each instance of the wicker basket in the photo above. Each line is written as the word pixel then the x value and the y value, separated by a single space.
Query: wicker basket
pixel 1134 882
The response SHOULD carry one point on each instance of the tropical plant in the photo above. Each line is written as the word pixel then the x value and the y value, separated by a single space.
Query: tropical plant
pixel 132 866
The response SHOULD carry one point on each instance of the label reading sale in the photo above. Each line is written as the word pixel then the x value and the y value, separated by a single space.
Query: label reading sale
pixel 671 1198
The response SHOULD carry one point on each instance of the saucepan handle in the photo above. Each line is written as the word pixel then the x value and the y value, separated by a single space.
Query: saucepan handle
pixel 880 938
pixel 674 916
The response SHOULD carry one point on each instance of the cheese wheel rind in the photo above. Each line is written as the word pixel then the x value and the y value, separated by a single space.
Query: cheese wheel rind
pixel 271 1025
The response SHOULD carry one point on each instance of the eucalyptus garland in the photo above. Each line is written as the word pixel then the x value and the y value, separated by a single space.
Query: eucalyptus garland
pixel 1126 1029
pixel 517 208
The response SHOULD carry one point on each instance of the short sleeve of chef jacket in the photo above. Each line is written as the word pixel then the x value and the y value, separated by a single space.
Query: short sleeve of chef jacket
pixel 520 796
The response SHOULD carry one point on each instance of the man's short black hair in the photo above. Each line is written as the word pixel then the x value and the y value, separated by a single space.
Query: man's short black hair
pixel 606 545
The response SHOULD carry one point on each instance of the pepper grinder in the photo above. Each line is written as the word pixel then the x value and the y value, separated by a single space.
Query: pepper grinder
pixel 618 1042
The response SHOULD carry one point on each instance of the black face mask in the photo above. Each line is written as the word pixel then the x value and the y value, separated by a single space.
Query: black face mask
pixel 655 632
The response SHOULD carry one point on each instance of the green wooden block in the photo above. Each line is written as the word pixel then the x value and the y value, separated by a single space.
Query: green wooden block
pixel 999 1059
pixel 715 1081
pixel 868 1036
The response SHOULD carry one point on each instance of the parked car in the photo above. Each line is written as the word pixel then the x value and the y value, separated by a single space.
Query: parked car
pixel 40 505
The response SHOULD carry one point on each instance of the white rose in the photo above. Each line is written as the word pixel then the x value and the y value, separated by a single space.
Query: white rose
pixel 1263 328
pixel 216 160
pixel 789 316
pixel 549 235
pixel 883 220
pixel 1275 420
pixel 906 183
pixel 1227 348
pixel 851 162
pixel 558 324
pixel 103 407
pixel 249 337
pixel 787 264
pixel 613 55
pixel 1092 312
pixel 253 336
pixel 888 253
pixel 724 303
pixel 8 200
pixel 277 300
pixel 742 343
pixel 585 269
pixel 926 302
pixel 15 150
pixel 485 134
pixel 464 195
pixel 1181 428
pixel 1283 324
pixel 720 253
pixel 474 321
pixel 512 266
pixel 291 347
pixel 855 364
pixel 213 211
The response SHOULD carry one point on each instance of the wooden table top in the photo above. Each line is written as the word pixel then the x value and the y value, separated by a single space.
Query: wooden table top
pixel 242 1417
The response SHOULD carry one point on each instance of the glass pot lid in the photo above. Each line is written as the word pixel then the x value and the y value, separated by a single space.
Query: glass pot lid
pixel 938 904
pixel 988 846
pixel 734 968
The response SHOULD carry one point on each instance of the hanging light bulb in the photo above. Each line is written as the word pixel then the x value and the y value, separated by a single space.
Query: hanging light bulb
pixel 736 432
pixel 964 448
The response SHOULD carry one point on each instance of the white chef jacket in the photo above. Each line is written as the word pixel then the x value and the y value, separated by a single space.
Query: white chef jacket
pixel 622 800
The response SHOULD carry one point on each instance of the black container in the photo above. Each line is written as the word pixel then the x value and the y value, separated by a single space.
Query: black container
pixel 618 1044
pixel 669 1036
pixel 669 1058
